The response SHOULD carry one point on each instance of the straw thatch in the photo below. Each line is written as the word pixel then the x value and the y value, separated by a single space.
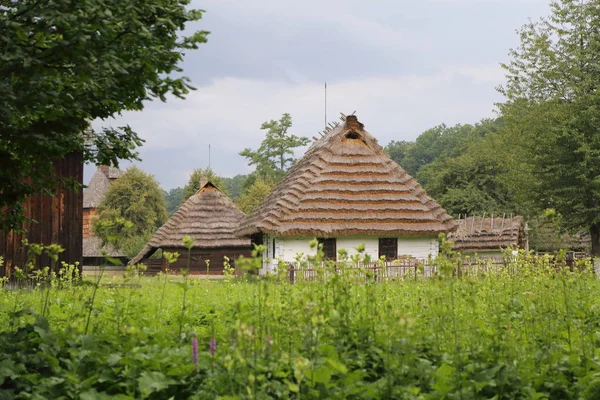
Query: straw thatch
pixel 96 190
pixel 92 247
pixel 479 234
pixel 209 217
pixel 346 185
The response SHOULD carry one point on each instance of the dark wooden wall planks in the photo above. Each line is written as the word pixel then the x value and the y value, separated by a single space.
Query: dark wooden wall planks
pixel 59 220
pixel 199 256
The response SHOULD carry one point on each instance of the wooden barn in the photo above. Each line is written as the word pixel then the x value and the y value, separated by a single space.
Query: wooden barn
pixel 489 237
pixel 347 191
pixel 54 219
pixel 210 218
pixel 92 197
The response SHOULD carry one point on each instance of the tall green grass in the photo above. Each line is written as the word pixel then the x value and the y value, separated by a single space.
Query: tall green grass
pixel 530 334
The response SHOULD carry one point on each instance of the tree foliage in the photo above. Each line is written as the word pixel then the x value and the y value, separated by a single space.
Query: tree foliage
pixel 196 178
pixel 438 141
pixel 65 63
pixel 275 154
pixel 473 180
pixel 235 185
pixel 132 210
pixel 553 111
pixel 255 194
pixel 173 199
pixel 398 150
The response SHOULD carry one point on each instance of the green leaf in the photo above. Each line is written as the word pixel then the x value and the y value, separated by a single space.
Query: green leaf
pixel 153 381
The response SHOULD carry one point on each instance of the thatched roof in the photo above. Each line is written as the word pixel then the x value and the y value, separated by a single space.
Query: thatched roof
pixel 209 217
pixel 94 193
pixel 347 185
pixel 478 234
pixel 92 247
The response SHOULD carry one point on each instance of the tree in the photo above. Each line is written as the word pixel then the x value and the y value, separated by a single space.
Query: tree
pixel 132 210
pixel 552 110
pixel 173 199
pixel 235 185
pixel 474 179
pixel 398 150
pixel 65 63
pixel 435 142
pixel 255 194
pixel 275 154
pixel 196 178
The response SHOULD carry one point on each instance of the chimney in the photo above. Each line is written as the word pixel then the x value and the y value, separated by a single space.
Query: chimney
pixel 353 124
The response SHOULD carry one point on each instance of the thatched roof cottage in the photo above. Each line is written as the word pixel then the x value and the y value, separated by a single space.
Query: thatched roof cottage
pixel 92 197
pixel 347 191
pixel 489 237
pixel 210 218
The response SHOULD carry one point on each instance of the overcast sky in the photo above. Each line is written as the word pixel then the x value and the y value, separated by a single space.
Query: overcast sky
pixel 403 65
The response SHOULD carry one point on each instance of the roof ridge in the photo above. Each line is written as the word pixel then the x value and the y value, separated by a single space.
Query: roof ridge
pixel 345 144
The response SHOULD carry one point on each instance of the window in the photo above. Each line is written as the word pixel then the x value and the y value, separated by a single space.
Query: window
pixel 388 247
pixel 329 248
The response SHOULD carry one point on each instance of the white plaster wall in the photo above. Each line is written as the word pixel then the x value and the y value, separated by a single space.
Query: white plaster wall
pixel 293 246
pixel 350 243
pixel 272 253
pixel 418 247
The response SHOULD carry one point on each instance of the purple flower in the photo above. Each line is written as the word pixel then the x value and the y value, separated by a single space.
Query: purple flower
pixel 213 346
pixel 195 352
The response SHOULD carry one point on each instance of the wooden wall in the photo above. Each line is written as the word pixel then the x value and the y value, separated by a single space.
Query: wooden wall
pixel 59 220
pixel 89 214
pixel 199 257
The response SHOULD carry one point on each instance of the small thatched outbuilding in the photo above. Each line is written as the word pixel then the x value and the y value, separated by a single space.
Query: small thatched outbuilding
pixel 347 191
pixel 210 218
pixel 489 237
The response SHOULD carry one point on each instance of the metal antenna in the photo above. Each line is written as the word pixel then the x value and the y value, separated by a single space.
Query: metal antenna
pixel 209 156
pixel 325 105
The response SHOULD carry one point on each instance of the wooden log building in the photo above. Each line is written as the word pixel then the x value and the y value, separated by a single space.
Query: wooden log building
pixel 56 219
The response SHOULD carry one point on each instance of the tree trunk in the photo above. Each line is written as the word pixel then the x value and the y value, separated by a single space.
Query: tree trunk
pixel 595 236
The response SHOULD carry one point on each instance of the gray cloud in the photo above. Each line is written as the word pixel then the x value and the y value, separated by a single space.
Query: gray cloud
pixel 404 66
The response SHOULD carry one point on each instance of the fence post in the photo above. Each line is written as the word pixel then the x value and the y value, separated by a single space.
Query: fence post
pixel 416 266
pixel 291 275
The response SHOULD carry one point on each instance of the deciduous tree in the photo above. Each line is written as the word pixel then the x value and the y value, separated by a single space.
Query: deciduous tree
pixel 65 63
pixel 133 209
pixel 553 110
pixel 276 152
pixel 235 185
pixel 255 194
pixel 398 150
pixel 173 198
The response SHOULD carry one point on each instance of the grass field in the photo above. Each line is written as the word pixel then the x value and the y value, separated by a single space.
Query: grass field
pixel 531 335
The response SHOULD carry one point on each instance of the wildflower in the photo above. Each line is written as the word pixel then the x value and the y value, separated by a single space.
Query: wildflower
pixel 213 346
pixel 195 352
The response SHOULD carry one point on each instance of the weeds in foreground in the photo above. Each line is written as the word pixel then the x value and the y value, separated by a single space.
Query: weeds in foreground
pixel 533 333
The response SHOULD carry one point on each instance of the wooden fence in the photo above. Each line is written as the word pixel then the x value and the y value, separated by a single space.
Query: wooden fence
pixel 415 269
pixel 408 268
